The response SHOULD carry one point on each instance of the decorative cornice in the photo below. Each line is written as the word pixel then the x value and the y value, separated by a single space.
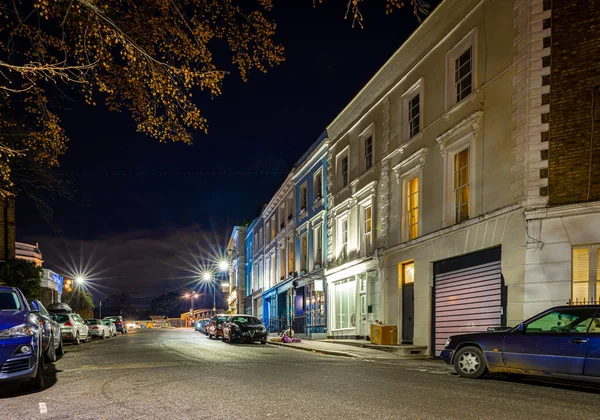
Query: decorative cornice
pixel 417 159
pixel 468 125
pixel 372 186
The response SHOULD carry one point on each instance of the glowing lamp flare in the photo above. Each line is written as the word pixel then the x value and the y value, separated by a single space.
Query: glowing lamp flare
pixel 206 276
pixel 224 266
pixel 79 280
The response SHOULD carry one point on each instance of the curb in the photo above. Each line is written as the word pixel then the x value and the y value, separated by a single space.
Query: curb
pixel 326 352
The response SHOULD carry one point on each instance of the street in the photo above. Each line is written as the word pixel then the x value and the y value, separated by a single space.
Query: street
pixel 181 374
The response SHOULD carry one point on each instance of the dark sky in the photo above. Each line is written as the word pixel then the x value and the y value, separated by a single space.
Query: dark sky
pixel 140 205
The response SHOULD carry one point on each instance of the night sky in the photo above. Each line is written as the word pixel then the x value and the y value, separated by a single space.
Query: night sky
pixel 144 211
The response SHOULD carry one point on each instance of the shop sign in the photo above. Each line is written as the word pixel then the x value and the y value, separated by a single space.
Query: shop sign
pixel 318 285
pixel 232 298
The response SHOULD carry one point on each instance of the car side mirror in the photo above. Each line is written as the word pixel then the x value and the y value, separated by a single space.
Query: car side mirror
pixel 522 328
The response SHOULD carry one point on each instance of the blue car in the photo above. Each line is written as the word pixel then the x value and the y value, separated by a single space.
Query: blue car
pixel 562 343
pixel 21 355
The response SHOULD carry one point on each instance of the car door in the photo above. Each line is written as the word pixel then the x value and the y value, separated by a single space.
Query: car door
pixel 554 342
pixel 592 359
pixel 83 329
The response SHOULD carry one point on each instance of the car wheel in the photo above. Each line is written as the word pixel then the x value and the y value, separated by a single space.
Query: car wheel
pixel 263 341
pixel 60 349
pixel 51 353
pixel 469 362
pixel 37 382
pixel 76 340
pixel 103 335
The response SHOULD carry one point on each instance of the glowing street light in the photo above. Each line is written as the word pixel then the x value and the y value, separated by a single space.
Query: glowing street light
pixel 206 276
pixel 224 266
pixel 79 280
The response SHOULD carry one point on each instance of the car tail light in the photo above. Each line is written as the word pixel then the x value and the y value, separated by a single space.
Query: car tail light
pixel 68 324
pixel 95 328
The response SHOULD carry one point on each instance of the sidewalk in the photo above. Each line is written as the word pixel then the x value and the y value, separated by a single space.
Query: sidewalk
pixel 363 353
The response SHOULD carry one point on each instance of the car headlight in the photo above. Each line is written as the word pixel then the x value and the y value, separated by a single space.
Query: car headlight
pixel 22 330
pixel 447 344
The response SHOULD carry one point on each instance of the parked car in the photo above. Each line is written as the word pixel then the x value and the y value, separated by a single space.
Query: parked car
pixel 118 320
pixel 132 326
pixel 562 342
pixel 59 308
pixel 111 325
pixel 21 355
pixel 202 324
pixel 98 328
pixel 215 326
pixel 51 337
pixel 73 328
pixel 244 328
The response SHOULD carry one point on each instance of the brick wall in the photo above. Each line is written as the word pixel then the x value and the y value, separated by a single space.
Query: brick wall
pixel 575 69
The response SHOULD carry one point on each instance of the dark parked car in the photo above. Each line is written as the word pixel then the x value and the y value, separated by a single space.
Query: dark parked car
pixel 562 342
pixel 244 328
pixel 52 343
pixel 119 323
pixel 21 355
pixel 215 326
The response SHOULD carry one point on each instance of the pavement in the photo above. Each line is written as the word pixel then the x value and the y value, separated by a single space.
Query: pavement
pixel 181 374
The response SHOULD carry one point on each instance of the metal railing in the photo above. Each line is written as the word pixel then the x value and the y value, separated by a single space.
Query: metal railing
pixel 583 302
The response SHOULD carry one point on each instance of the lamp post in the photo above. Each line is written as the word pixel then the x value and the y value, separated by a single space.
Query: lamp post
pixel 191 297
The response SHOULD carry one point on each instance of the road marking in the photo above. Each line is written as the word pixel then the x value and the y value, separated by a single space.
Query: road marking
pixel 43 408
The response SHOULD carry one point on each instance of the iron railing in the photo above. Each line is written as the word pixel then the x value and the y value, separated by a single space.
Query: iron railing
pixel 583 302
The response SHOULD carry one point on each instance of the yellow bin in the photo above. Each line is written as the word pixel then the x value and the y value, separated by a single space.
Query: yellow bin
pixel 384 334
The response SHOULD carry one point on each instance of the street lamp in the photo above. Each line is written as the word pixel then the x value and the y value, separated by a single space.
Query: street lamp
pixel 191 297
pixel 208 277
pixel 79 280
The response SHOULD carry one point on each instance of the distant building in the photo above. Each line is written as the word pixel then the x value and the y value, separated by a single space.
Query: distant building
pixel 52 287
pixel 29 252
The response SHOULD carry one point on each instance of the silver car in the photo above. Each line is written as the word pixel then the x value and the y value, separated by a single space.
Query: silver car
pixel 111 325
pixel 72 328
pixel 98 328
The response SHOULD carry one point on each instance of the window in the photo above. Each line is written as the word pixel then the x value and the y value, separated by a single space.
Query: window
pixel 318 186
pixel 570 320
pixel 260 238
pixel 290 207
pixel 412 208
pixel 315 306
pixel 282 217
pixel 414 115
pixel 267 230
pixel 461 185
pixel 368 229
pixel 304 253
pixel 282 259
pixel 344 298
pixel 303 197
pixel 586 275
pixel 463 74
pixel 368 153
pixel 406 273
pixel 344 171
pixel 273 228
pixel 291 255
pixel 318 245
pixel 343 238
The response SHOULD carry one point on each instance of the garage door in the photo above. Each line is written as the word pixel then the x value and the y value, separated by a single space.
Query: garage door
pixel 468 296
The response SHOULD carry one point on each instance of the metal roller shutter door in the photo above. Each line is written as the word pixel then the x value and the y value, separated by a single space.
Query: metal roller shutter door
pixel 466 301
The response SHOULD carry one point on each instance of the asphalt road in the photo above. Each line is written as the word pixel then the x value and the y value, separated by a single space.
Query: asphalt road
pixel 181 374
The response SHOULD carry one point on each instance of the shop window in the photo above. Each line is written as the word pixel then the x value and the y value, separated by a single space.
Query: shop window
pixel 344 304
pixel 315 304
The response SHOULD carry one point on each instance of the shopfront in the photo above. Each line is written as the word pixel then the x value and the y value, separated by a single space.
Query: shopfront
pixel 353 301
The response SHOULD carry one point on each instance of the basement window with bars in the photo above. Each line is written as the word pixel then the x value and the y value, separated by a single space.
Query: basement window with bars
pixel 585 287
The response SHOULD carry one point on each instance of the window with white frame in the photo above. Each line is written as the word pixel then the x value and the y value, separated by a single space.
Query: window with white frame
pixel 304 252
pixel 343 168
pixel 461 69
pixel 344 304
pixel 342 248
pixel 461 185
pixel 282 217
pixel 290 207
pixel 463 74
pixel 586 274
pixel 318 245
pixel 260 238
pixel 368 153
pixel 368 229
pixel 412 207
pixel 318 185
pixel 282 260
pixel 267 231
pixel 414 115
pixel 303 197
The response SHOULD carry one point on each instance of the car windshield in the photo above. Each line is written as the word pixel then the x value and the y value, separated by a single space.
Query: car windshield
pixel 92 322
pixel 62 318
pixel 9 300
pixel 222 319
pixel 249 320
